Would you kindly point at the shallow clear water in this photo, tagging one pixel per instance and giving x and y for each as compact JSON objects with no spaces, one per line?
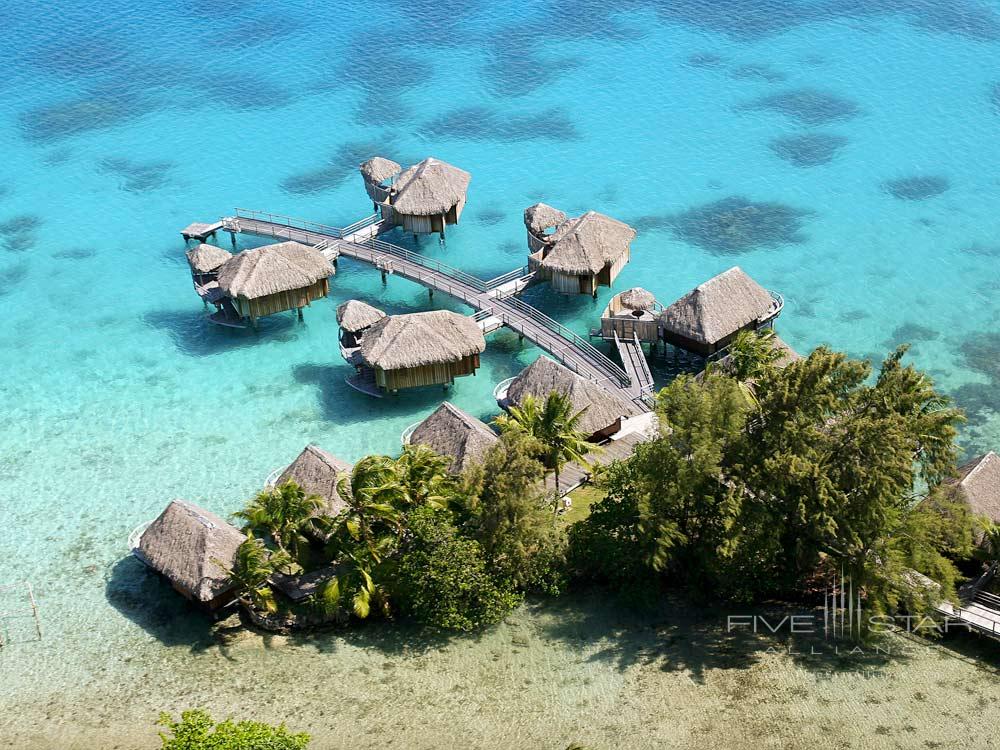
{"x":121,"y":124}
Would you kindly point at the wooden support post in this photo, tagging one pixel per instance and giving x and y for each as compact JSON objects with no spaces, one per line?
{"x":232,"y":236}
{"x":430,"y":293}
{"x":299,"y":311}
{"x":384,"y":277}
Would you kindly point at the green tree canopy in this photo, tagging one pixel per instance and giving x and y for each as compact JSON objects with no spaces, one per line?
{"x":197,"y":731}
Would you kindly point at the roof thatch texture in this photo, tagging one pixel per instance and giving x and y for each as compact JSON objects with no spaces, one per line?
{"x":541,"y":216}
{"x":637,"y":299}
{"x":417,"y":339}
{"x":429,"y":188}
{"x":272,"y":269}
{"x":184,"y":543}
{"x":451,"y":432}
{"x":586,"y":244}
{"x":207,"y":258}
{"x":719,"y":307}
{"x":378,"y":169}
{"x":979,"y":481}
{"x":317,"y":472}
{"x":544,"y":375}
{"x":355,"y":315}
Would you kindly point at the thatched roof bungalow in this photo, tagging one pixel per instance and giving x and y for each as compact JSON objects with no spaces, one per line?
{"x":604,"y":410}
{"x":192,"y":548}
{"x":707,"y":318}
{"x":426,"y":348}
{"x":318,"y":472}
{"x":978,"y":484}
{"x":275,"y":278}
{"x":205,"y":262}
{"x":453,"y":433}
{"x":354,"y":318}
{"x":423,"y":198}
{"x":378,"y":174}
{"x":633,"y":312}
{"x":582,"y":254}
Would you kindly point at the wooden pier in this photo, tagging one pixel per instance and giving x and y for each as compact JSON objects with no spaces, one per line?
{"x":634,"y":361}
{"x":360,"y":241}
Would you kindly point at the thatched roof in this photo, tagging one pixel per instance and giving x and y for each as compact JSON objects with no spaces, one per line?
{"x":719,"y":307}
{"x":586,"y":244}
{"x":272,"y":269}
{"x":544,"y":375}
{"x":429,"y":188}
{"x":184,"y":543}
{"x":317,"y":472}
{"x":979,"y":482}
{"x":451,"y":432}
{"x":637,"y":299}
{"x":541,"y":216}
{"x":418,"y":339}
{"x":207,"y":258}
{"x":378,"y":169}
{"x":355,"y":315}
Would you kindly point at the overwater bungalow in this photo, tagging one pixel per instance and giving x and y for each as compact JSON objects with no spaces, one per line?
{"x":317,"y":472}
{"x":581,"y":254}
{"x":633,"y":312}
{"x":271,"y":279}
{"x":418,"y":349}
{"x":978,"y":484}
{"x":453,"y":433}
{"x":604,"y":409}
{"x":192,"y":548}
{"x":706,"y":319}
{"x":205,"y":262}
{"x":354,"y":318}
{"x":421,"y":199}
{"x":378,"y":174}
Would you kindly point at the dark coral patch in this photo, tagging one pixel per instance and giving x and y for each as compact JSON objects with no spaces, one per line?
{"x":757,"y":72}
{"x":981,"y":353}
{"x":737,"y":225}
{"x":490,"y":217}
{"x":478,"y":123}
{"x":337,"y":169}
{"x":75,"y":253}
{"x":11,"y":276}
{"x":808,"y":149}
{"x":982,"y":251}
{"x":916,"y":188}
{"x":516,"y":68}
{"x":910,"y":333}
{"x":137,"y":177}
{"x":56,"y":121}
{"x":995,"y":96}
{"x":808,"y":106}
{"x":18,"y":233}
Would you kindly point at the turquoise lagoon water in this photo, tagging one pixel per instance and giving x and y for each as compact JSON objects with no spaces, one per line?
{"x":122,"y":123}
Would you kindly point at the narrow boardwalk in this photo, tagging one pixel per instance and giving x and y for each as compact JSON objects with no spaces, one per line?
{"x":634,"y":360}
{"x":360,"y":242}
{"x":574,"y":474}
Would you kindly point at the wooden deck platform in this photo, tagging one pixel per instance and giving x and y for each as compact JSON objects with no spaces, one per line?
{"x":574,"y":474}
{"x":360,"y":242}
{"x":200,"y":231}
{"x":634,"y":361}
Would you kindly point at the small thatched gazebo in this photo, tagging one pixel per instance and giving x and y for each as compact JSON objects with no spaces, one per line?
{"x":604,"y":410}
{"x":317,"y":472}
{"x":205,"y":262}
{"x":707,"y":318}
{"x":354,"y":318}
{"x":426,"y":348}
{"x":424,"y":198}
{"x":377,"y":174}
{"x":192,"y":548}
{"x":632,"y":313}
{"x":452,"y":432}
{"x":275,"y":278}
{"x":582,"y":254}
{"x":978,"y":484}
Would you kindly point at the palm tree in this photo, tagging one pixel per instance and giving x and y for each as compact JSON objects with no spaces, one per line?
{"x":555,"y":426}
{"x":253,"y":565}
{"x":751,"y":354}
{"x":283,"y":512}
{"x":424,"y":477}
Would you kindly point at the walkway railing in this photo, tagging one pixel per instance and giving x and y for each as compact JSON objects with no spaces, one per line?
{"x":517,"y":273}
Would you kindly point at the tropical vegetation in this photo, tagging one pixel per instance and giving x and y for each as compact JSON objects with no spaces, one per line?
{"x":196,"y":730}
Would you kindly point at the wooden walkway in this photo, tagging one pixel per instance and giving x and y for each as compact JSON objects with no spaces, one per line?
{"x":574,"y":474}
{"x":634,"y":361}
{"x":497,"y":296}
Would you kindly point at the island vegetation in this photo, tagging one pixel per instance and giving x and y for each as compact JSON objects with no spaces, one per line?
{"x":760,"y":479}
